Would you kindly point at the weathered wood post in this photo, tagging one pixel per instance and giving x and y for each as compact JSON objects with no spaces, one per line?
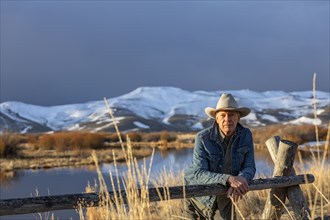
{"x":282,"y":154}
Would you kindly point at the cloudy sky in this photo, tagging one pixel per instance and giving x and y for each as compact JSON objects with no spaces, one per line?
{"x":61,"y":52}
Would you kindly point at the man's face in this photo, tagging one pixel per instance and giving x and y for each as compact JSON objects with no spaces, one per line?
{"x":227,"y":121}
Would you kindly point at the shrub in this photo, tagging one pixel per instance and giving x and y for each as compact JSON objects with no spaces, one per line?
{"x":262,"y":134}
{"x":77,"y":141}
{"x":151,"y":137}
{"x":92,"y":140}
{"x":159,"y":136}
{"x":32,"y":139}
{"x":114,"y":137}
{"x":9,"y":144}
{"x":46,"y":141}
{"x":135,"y":136}
{"x":62,"y":141}
{"x":303,"y":133}
{"x":168,"y":137}
{"x":297,"y":133}
{"x":71,"y":140}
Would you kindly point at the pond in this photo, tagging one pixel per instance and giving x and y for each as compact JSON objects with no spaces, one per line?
{"x":58,"y":181}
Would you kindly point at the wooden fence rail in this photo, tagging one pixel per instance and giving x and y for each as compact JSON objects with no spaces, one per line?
{"x":61,"y":202}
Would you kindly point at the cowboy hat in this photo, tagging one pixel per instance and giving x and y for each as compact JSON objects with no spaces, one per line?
{"x":227,"y":103}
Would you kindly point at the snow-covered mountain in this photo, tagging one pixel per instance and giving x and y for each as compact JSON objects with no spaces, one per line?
{"x":164,"y":108}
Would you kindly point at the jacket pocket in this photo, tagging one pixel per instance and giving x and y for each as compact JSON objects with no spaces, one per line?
{"x":243,"y":149}
{"x":241,"y":153}
{"x":214,"y":162}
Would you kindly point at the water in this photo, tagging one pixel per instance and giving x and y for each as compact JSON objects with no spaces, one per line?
{"x":59,"y":181}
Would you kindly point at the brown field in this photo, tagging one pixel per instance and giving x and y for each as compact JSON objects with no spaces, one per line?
{"x":37,"y":151}
{"x":43,"y":151}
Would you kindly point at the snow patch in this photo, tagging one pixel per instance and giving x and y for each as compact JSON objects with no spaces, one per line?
{"x":269,"y":118}
{"x":26,"y":129}
{"x":74,"y":127}
{"x":313,"y":144}
{"x":320,"y":111}
{"x":198,"y":126}
{"x":305,"y":120}
{"x":141,"y":125}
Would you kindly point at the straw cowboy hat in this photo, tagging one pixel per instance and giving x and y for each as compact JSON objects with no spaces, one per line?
{"x":227,"y":103}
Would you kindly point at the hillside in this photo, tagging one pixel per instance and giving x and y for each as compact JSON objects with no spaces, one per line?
{"x":163,"y":108}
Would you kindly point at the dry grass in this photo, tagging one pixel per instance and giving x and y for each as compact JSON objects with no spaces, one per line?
{"x":51,"y":159}
{"x":299,"y":134}
{"x":251,"y":207}
{"x":136,"y":183}
{"x":317,"y":194}
{"x":139,"y":207}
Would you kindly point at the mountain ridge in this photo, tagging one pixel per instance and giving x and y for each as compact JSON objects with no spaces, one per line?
{"x":163,"y":108}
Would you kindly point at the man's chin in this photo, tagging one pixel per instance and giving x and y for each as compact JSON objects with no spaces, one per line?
{"x":228,"y":128}
{"x":227,"y":132}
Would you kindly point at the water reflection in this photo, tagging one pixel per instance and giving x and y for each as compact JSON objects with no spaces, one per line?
{"x":7,"y":178}
{"x":264,"y":163}
{"x":47,"y":182}
{"x":170,"y":160}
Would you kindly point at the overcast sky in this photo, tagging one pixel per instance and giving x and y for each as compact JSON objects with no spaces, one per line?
{"x":62,"y":52}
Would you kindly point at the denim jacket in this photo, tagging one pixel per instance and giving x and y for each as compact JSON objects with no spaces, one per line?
{"x":208,"y":157}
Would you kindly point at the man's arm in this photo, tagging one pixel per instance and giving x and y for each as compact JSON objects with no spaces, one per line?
{"x":202,"y":172}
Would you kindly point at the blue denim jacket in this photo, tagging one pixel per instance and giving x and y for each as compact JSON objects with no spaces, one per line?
{"x":208,"y":157}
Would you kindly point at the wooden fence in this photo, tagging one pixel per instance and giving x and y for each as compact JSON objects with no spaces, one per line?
{"x":61,"y":202}
{"x":284,"y":183}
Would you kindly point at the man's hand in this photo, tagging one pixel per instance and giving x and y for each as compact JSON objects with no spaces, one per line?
{"x":238,"y":187}
{"x":236,"y":195}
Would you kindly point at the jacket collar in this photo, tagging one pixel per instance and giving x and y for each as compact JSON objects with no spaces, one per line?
{"x":215,"y":133}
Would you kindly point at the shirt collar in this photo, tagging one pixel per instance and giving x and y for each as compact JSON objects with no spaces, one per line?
{"x":216,"y":134}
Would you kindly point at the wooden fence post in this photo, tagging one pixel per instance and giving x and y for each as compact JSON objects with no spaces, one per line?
{"x":273,"y":209}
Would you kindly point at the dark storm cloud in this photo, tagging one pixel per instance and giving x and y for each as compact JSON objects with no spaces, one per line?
{"x":68,"y":52}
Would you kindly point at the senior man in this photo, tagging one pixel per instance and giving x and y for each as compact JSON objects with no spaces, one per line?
{"x":223,"y":154}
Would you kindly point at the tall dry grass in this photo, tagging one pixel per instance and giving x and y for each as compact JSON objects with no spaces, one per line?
{"x":135,"y":183}
{"x":137,"y":180}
